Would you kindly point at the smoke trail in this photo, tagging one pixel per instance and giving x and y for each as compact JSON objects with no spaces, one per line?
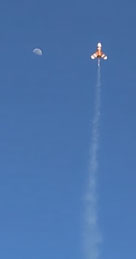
{"x":92,"y":233}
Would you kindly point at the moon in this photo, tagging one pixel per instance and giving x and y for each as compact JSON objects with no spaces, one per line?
{"x":37,"y":51}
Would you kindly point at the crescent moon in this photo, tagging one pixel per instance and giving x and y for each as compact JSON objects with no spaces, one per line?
{"x":37,"y":51}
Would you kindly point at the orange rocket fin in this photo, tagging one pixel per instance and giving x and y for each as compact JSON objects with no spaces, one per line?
{"x":103,"y":56}
{"x":94,"y":55}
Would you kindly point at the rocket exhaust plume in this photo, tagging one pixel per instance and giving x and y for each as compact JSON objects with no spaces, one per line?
{"x":98,"y":62}
{"x":92,"y":236}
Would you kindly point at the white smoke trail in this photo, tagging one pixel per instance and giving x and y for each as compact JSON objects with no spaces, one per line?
{"x":92,"y":233}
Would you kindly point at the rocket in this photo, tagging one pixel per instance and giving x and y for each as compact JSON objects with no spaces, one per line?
{"x":99,"y":54}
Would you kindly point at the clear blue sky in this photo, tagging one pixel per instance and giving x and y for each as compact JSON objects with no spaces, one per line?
{"x":46,"y":105}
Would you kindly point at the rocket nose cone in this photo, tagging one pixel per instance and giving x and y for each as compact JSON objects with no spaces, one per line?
{"x":99,"y":45}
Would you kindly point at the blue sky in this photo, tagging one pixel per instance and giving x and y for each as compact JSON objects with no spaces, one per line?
{"x":46,"y":106}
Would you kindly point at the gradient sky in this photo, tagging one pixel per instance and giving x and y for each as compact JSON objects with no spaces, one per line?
{"x":46,"y":109}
